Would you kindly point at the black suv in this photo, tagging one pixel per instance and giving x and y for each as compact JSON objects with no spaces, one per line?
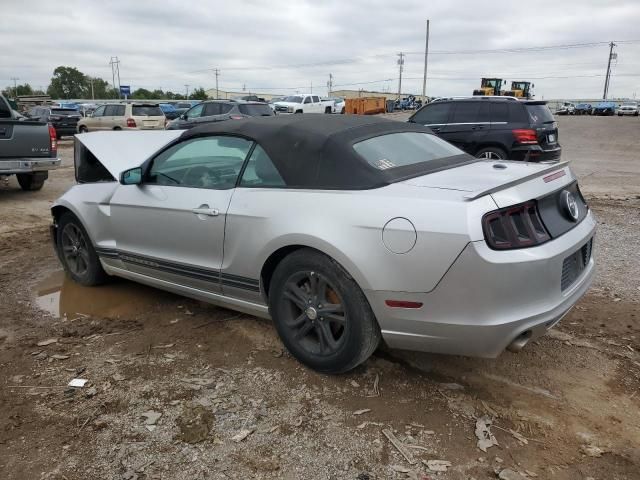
{"x":64,"y":120}
{"x":494,"y":127}
{"x":217,"y":111}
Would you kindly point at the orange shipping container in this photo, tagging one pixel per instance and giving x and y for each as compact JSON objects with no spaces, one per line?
{"x":364,"y":105}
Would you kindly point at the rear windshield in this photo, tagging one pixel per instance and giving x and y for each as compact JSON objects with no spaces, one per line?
{"x":183,"y":105}
{"x":256,"y":110}
{"x":405,"y":148}
{"x":64,"y":112}
{"x":540,"y":114}
{"x":147,"y":111}
{"x":294,"y":99}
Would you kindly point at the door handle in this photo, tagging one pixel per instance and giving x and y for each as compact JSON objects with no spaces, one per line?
{"x":478,"y":127}
{"x":205,"y":210}
{"x":435,"y":129}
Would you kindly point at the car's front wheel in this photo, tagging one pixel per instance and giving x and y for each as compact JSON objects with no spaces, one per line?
{"x":76,"y":252}
{"x":491,"y":153}
{"x":321,"y":314}
{"x":83,"y":129}
{"x":32,"y":181}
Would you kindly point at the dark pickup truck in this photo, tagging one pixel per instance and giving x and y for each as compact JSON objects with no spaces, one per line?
{"x":28,"y":149}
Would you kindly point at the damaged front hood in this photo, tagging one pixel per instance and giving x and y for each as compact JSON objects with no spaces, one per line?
{"x":120,"y":151}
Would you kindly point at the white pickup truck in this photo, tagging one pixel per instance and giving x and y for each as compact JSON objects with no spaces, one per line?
{"x":304,"y":103}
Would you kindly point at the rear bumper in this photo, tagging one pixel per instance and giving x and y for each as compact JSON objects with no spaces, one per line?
{"x":489,"y":298}
{"x":28,"y":165}
{"x":536,"y":153}
{"x":66,"y":130}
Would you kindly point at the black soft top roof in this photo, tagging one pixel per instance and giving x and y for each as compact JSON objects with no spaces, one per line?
{"x":316,"y":150}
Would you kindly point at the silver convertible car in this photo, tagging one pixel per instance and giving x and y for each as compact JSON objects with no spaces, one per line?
{"x":344,"y":230}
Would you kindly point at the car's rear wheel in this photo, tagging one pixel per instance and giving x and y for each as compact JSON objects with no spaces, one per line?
{"x":321,"y":314}
{"x":32,"y":181}
{"x":491,"y":153}
{"x":76,"y":252}
{"x":83,"y":129}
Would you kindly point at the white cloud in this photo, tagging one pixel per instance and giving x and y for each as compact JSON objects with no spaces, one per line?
{"x":171,"y":43}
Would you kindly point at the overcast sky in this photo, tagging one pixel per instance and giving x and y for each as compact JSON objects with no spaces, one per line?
{"x":286,"y":46}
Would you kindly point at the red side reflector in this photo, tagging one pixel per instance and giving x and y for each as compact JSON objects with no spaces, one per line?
{"x":553,"y":176}
{"x":402,"y":304}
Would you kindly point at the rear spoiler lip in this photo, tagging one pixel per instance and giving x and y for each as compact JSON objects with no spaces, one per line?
{"x":504,"y":186}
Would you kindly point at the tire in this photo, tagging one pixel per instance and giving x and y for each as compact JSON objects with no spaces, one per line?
{"x":342,"y":111}
{"x":298,"y":111}
{"x":491,"y":153}
{"x":117,"y":128}
{"x":83,"y":129}
{"x":321,"y":314}
{"x":32,"y":181}
{"x":327,"y":110}
{"x":76,"y":252}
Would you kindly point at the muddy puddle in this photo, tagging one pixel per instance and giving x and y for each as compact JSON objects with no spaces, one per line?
{"x":60,"y":296}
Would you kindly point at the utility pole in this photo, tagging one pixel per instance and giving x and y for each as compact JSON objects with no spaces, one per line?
{"x":115,"y":72}
{"x":15,"y":86}
{"x":330,"y":85}
{"x":426,"y":59}
{"x":606,"y":81}
{"x":400,"y":65}
{"x":93,"y":97}
{"x":186,"y":86}
{"x":217,"y":73}
{"x":311,"y":91}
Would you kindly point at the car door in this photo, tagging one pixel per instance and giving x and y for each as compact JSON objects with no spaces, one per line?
{"x":94,"y":122}
{"x":171,"y":226}
{"x":317,"y":104}
{"x":307,"y":104}
{"x":468,"y":126}
{"x":210,"y":113}
{"x":193,"y":115}
{"x":435,"y":116}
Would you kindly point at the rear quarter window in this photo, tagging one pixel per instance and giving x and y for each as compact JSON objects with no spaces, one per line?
{"x":539,"y":114}
{"x":434,"y":114}
{"x":404,"y":148}
{"x":256,"y":110}
{"x":147,"y":111}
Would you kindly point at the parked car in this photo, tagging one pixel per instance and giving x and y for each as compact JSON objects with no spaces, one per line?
{"x":249,"y":98}
{"x":342,"y":229}
{"x":567,"y":108}
{"x":628,"y":108}
{"x":494,"y":127}
{"x":64,"y":120}
{"x":169,"y":111}
{"x":604,"y":108}
{"x":124,"y":116}
{"x":185,"y":105}
{"x":583,"y":109}
{"x":274,"y":100}
{"x":304,"y":103}
{"x":338,"y":104}
{"x":28,"y":148}
{"x":218,"y":111}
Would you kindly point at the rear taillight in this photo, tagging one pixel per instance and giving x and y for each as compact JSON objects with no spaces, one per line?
{"x":236,"y":117}
{"x":53,"y":141}
{"x":131,"y":123}
{"x":525,"y":135}
{"x":513,"y":227}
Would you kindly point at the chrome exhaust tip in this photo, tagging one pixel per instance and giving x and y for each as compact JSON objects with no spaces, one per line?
{"x":519,"y":342}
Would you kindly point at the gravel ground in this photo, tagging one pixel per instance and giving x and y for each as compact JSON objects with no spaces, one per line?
{"x":183,"y":390}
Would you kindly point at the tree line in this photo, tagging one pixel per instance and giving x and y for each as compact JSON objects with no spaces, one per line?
{"x":69,"y":82}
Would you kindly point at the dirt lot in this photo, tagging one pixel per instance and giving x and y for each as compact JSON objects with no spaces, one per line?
{"x":183,"y":390}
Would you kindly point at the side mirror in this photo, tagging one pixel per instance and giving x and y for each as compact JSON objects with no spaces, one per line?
{"x":184,"y":117}
{"x":133,"y":176}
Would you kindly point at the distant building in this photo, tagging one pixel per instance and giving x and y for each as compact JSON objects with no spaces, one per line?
{"x":224,"y":95}
{"x":368,"y":93}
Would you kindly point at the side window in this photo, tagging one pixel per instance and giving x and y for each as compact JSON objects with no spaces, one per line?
{"x":316,"y":99}
{"x":119,"y":110}
{"x":484,"y":114}
{"x":260,"y":171}
{"x":307,"y":99}
{"x":99,"y":112}
{"x":211,"y":109}
{"x":499,"y":112}
{"x":196,"y":111}
{"x":225,"y":107}
{"x":466,"y":112}
{"x":517,"y":113}
{"x":434,"y":114}
{"x":208,"y":162}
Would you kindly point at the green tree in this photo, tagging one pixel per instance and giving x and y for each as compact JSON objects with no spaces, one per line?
{"x":67,"y":83}
{"x":18,"y":90}
{"x":141,"y":94}
{"x":198,"y":94}
{"x":101,"y":89}
{"x":158,"y":94}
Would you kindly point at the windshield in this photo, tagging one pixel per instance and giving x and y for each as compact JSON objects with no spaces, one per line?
{"x":147,"y":111}
{"x":256,"y":110}
{"x":294,"y":99}
{"x":402,"y":149}
{"x":64,"y":112}
{"x":183,"y":105}
{"x":540,"y":114}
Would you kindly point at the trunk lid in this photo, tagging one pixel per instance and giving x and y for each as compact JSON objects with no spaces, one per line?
{"x":24,"y":139}
{"x":508,"y":182}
